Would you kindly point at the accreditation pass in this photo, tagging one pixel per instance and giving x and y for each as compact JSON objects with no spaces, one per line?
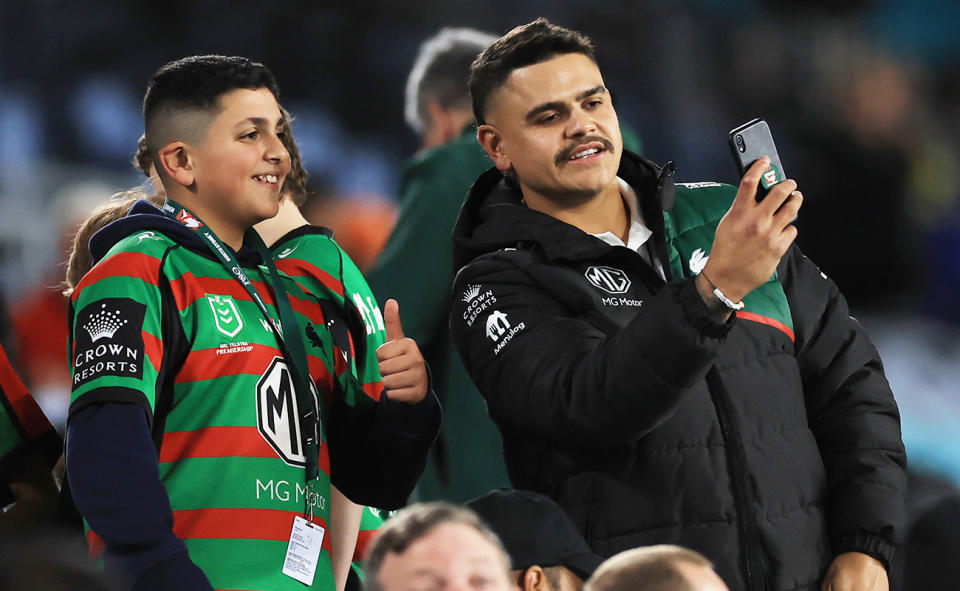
{"x":303,"y":551}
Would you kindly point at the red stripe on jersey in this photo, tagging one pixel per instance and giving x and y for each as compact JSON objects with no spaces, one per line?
{"x":374,"y":390}
{"x":364,"y":538}
{"x":222,"y":442}
{"x":768,"y":321}
{"x":189,"y":288}
{"x":300,"y":268}
{"x":215,"y":442}
{"x":95,"y":545}
{"x":122,"y":264}
{"x":153,"y":349}
{"x":26,"y":410}
{"x":255,"y":524}
{"x":206,"y":364}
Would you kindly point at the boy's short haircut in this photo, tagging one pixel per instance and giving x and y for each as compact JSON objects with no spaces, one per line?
{"x":524,"y":46}
{"x":193,"y":86}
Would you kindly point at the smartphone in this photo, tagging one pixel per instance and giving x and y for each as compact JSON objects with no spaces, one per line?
{"x":748,"y":143}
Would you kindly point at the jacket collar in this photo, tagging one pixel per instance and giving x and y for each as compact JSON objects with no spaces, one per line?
{"x":494,"y":217}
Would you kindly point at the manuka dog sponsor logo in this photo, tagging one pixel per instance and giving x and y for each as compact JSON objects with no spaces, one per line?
{"x":226,"y":317}
{"x":609,"y":279}
{"x":477,"y":301}
{"x":109,"y":341}
{"x":278,"y":413}
{"x":500,"y":331}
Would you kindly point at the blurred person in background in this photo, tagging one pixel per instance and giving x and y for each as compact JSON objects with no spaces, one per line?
{"x":415,"y":268}
{"x":547,"y":553}
{"x":437,"y":546}
{"x":656,"y":568}
{"x":660,"y":359}
{"x":29,"y":449}
{"x":40,"y":314}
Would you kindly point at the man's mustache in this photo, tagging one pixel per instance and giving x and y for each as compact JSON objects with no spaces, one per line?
{"x":565,"y":153}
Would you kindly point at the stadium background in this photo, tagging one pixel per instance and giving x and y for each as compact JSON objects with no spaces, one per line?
{"x":863,"y":99}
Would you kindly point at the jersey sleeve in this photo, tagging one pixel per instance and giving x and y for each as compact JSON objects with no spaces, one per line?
{"x":27,"y":438}
{"x":115,"y":344}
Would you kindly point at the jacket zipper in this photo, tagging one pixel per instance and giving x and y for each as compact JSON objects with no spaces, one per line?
{"x":736,"y":460}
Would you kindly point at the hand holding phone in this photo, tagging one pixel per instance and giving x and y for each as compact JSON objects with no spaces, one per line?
{"x":751,"y":141}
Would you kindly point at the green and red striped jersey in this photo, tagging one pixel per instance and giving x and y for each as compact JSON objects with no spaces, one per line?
{"x":311,"y":257}
{"x":26,"y":435}
{"x":157,"y":324}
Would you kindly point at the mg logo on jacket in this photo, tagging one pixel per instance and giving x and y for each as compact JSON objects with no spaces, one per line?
{"x":278,"y":416}
{"x":608,"y":279}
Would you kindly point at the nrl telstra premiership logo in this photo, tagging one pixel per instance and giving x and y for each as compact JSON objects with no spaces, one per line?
{"x":226,"y":317}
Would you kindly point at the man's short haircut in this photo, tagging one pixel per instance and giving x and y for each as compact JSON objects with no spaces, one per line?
{"x":524,"y":46}
{"x":415,"y":522}
{"x":193,"y":86}
{"x":439,"y":73}
{"x":651,"y":568}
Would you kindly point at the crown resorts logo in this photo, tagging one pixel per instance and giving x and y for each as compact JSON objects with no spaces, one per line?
{"x":471,"y":292}
{"x":103,"y":324}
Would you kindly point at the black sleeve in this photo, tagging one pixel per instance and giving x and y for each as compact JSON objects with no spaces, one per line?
{"x":556,"y":375}
{"x":377,"y":454}
{"x":115,"y":482}
{"x":852,"y":413}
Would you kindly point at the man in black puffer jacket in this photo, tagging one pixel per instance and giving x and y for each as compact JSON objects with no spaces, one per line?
{"x":661,"y":359}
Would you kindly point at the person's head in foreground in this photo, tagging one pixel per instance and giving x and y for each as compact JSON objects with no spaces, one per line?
{"x":215,"y":132}
{"x":545,"y":116}
{"x":546,"y":550}
{"x":436,"y":546}
{"x":656,"y":568}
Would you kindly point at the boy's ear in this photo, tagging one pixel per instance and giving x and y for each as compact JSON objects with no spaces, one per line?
{"x":176,"y":162}
{"x":492,"y":143}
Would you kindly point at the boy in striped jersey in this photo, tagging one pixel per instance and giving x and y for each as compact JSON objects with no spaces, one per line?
{"x":311,"y":256}
{"x":179,"y":358}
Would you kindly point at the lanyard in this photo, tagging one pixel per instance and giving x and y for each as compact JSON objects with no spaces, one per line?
{"x":285,"y":330}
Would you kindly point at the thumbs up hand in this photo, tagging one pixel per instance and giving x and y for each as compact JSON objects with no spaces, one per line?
{"x":400,"y":361}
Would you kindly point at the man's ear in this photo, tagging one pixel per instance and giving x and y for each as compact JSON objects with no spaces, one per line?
{"x":534,"y":579}
{"x":492,"y":143}
{"x":176,"y":163}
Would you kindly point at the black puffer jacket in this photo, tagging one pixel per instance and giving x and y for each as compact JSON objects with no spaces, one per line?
{"x":770,"y":443}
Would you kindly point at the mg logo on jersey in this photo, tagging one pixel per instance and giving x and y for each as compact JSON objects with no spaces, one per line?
{"x":225,"y":314}
{"x":608,"y":279}
{"x":278,"y":416}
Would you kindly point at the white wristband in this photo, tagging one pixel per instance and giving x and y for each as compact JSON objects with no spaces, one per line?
{"x":720,"y":295}
{"x":727,"y":301}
